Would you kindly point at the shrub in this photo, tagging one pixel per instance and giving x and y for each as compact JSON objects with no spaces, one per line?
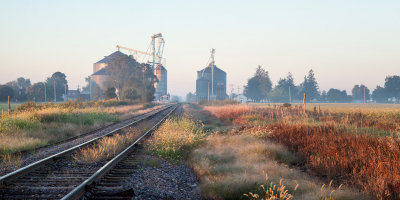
{"x":287,"y":105}
{"x":110,"y":93}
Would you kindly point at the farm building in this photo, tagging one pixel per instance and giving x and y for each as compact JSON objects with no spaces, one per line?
{"x":161,"y":85}
{"x":101,"y":71}
{"x":211,"y":84}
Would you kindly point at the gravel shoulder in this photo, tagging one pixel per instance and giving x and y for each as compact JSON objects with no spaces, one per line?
{"x":156,"y":178}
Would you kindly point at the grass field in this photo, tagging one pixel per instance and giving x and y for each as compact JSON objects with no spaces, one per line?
{"x":32,"y":125}
{"x":4,"y":106}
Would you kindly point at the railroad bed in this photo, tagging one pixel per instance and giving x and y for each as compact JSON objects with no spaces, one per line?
{"x":60,"y":176}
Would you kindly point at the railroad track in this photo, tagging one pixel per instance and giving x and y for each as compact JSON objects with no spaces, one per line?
{"x":60,"y":177}
{"x":81,"y":136}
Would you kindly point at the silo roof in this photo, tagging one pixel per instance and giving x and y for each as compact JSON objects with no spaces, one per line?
{"x":107,"y":58}
{"x":208,"y":69}
{"x":100,"y":72}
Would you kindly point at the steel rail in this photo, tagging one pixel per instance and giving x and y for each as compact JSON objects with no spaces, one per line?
{"x":80,"y":190}
{"x":24,"y":170}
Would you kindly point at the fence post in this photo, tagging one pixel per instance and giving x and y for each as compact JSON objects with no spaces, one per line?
{"x":304,"y":102}
{"x":9,"y":105}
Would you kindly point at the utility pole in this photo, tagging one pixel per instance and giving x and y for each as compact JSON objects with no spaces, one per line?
{"x":232,"y":88}
{"x":90,"y":88}
{"x":65,"y":92}
{"x":208,"y":91}
{"x":364,"y":95}
{"x":9,"y":105}
{"x":55,"y":94}
{"x":290,"y":97}
{"x":212,"y":71}
{"x":154,"y":53}
{"x":304,"y":102}
{"x":45,"y":95}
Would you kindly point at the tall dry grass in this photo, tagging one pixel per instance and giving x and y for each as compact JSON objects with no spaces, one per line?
{"x":371,"y":164}
{"x":230,"y":166}
{"x":107,"y":147}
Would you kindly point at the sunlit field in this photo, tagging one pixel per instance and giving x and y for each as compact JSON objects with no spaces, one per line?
{"x":33,"y":125}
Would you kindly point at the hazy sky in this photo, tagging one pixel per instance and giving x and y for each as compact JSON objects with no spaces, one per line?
{"x":345,"y":42}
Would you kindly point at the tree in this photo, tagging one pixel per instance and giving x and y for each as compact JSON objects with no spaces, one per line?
{"x":379,"y":95}
{"x":309,"y":86}
{"x":358,"y":92}
{"x":392,"y":86}
{"x":5,"y":92}
{"x":258,"y":86}
{"x":97,"y":92}
{"x":36,"y":92}
{"x":19,"y":86}
{"x":323,"y":96}
{"x":110,"y":93}
{"x":337,"y":96}
{"x":190,"y":97}
{"x":125,"y":72}
{"x":58,"y":79}
{"x":281,"y":91}
{"x":86,"y":88}
{"x":175,"y":98}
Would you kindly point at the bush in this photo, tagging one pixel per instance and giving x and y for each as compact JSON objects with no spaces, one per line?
{"x":110,"y":93}
{"x":287,"y":105}
{"x":130,"y":93}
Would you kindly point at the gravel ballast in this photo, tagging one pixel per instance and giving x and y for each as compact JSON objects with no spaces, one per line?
{"x":156,"y":178}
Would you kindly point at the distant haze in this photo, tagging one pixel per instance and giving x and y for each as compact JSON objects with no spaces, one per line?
{"x":344,"y":42}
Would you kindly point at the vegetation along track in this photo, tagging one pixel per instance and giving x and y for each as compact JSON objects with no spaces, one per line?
{"x":59,"y":176}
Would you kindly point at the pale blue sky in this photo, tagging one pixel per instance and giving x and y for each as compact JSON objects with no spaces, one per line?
{"x":345,"y":42}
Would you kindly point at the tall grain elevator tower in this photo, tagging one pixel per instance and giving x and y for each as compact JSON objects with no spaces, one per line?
{"x":211,"y":82}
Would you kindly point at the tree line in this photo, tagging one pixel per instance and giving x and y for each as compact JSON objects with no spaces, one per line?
{"x":21,"y":90}
{"x":259,"y":88}
{"x":127,"y":79}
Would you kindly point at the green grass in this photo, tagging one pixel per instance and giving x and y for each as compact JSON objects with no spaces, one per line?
{"x":175,"y":138}
{"x":84,"y":118}
{"x":4,"y":106}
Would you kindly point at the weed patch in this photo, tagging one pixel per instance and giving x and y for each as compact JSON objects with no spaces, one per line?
{"x":176,"y":137}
